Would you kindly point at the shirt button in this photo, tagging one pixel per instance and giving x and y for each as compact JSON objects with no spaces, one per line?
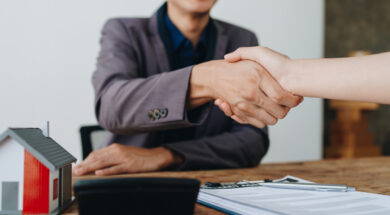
{"x":163,"y":112}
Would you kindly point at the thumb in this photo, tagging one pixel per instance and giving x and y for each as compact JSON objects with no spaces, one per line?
{"x":245,"y":53}
{"x":233,"y":56}
{"x":224,"y":106}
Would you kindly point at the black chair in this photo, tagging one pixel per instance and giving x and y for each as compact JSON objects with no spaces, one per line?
{"x":91,"y":138}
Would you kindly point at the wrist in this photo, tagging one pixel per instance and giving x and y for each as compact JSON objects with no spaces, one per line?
{"x":201,"y":81}
{"x":167,"y":158}
{"x":288,"y":75}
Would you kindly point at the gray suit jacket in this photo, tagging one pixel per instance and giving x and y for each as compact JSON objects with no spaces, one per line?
{"x":133,"y":79}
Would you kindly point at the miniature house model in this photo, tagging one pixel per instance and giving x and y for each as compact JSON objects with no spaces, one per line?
{"x":35,"y":173}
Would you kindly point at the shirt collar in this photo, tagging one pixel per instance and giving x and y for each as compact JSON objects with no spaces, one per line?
{"x":178,"y":38}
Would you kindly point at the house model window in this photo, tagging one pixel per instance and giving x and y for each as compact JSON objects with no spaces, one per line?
{"x":55,"y":188}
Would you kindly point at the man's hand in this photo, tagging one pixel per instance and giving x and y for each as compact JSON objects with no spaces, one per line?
{"x":254,"y":96}
{"x":117,"y":159}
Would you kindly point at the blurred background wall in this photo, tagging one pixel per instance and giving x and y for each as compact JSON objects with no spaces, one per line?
{"x":48,"y":52}
{"x":359,"y":25}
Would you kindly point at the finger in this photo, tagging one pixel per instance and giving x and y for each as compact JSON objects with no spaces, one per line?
{"x":113,"y":170}
{"x":90,"y":167}
{"x":224,"y":106}
{"x":257,"y":123}
{"x":243,"y":53}
{"x":78,"y":170}
{"x":275,"y":92}
{"x":302,"y":98}
{"x":81,"y":168}
{"x":237,"y":119}
{"x":290,"y":100}
{"x":240,"y":116}
{"x":99,"y":164}
{"x":252,"y":121}
{"x":254,"y":115}
{"x":90,"y":159}
{"x":96,"y":160}
{"x":233,"y":56}
{"x":264,"y":117}
{"x":218,"y":102}
{"x":262,"y":101}
{"x":226,"y":109}
{"x":274,"y":109}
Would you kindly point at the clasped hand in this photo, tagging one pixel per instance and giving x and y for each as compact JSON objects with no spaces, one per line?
{"x":252,"y":92}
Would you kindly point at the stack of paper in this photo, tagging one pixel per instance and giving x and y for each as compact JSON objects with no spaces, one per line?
{"x":264,"y":200}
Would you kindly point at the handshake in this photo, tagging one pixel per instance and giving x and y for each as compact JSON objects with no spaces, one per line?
{"x":250,"y":86}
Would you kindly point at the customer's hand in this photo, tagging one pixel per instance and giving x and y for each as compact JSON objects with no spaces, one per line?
{"x":277,"y":64}
{"x":254,"y":96}
{"x":118,"y":159}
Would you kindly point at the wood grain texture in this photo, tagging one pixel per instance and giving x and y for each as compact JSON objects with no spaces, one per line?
{"x":366,"y":174}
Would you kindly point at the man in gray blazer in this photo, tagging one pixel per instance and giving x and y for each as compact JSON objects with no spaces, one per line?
{"x":155,"y":82}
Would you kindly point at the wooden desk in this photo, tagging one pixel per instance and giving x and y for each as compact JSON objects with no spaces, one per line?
{"x":366,"y":174}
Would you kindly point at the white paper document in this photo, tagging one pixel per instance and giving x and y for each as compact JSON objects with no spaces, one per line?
{"x":265,"y":200}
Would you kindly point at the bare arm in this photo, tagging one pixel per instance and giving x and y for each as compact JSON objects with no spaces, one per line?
{"x":355,"y":78}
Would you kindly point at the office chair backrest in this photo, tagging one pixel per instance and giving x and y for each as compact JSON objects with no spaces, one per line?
{"x":137,"y":196}
{"x":92,"y":137}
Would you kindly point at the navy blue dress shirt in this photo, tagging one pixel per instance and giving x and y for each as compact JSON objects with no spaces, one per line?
{"x":182,"y":53}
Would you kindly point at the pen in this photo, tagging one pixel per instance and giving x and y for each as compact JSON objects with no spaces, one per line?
{"x":308,"y":186}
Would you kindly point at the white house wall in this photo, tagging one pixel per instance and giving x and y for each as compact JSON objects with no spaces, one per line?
{"x":53,"y":204}
{"x":12,"y":166}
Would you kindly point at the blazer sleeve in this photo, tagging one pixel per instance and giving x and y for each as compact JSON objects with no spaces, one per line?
{"x":124,"y":101}
{"x":241,"y":146}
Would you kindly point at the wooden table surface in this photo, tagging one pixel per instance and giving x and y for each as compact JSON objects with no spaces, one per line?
{"x":366,"y":174}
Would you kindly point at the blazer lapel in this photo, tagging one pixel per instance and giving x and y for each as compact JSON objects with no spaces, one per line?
{"x":158,"y":45}
{"x":222,"y":40}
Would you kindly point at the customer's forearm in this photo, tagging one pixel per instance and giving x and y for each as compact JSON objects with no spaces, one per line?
{"x":358,"y":78}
